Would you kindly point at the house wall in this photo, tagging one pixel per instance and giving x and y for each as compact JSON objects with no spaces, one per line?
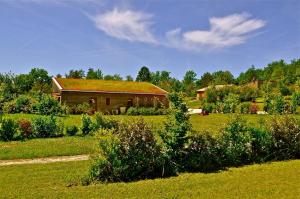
{"x":117,"y":100}
{"x":200,"y":95}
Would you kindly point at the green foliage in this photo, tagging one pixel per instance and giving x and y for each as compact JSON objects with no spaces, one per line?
{"x":223,"y":77}
{"x":245,"y":108}
{"x":46,"y":126}
{"x":146,"y":111}
{"x":8,"y":129}
{"x":248,"y":93}
{"x":144,"y":75}
{"x":230,"y":103}
{"x":127,"y":153}
{"x":94,"y":74}
{"x":87,"y":124}
{"x":236,"y":143}
{"x":84,"y":108}
{"x":188,"y":82}
{"x":104,"y":123}
{"x":176,"y":128}
{"x":24,"y":104}
{"x":202,"y":153}
{"x":49,"y":106}
{"x":286,"y":133}
{"x":295,"y":101}
{"x":279,"y":104}
{"x":9,"y":107}
{"x":72,"y":130}
{"x":76,"y":74}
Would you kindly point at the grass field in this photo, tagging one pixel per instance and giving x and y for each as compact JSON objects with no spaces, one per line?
{"x":47,"y":147}
{"x":274,"y":180}
{"x":82,"y":145}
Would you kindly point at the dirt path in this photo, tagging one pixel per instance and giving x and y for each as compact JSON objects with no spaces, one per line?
{"x":44,"y":160}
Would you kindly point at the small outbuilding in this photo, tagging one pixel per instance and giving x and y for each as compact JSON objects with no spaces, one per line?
{"x":108,"y":95}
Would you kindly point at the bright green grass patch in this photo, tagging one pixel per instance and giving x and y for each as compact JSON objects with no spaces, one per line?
{"x":274,"y":180}
{"x":46,"y":147}
{"x":194,"y":104}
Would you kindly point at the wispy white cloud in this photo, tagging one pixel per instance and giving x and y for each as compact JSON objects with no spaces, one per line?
{"x":224,"y":32}
{"x":126,"y":25}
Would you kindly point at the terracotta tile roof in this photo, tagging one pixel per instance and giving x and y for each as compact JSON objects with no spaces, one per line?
{"x":108,"y":86}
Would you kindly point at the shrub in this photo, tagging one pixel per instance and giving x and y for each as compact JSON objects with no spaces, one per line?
{"x":72,"y":130}
{"x":87,"y":125}
{"x":128,"y":153}
{"x":230,"y":103}
{"x":9,"y":107}
{"x":174,"y":134}
{"x":49,"y":106}
{"x":286,"y":133}
{"x":295,"y":101}
{"x":45,"y":127}
{"x":25,"y":127}
{"x":279,"y":104}
{"x":245,"y":107}
{"x":83,"y":108}
{"x":236,"y":143}
{"x":8,"y":128}
{"x":146,"y":111}
{"x":104,"y":123}
{"x":202,"y":153}
{"x":23,"y":105}
{"x":210,"y":107}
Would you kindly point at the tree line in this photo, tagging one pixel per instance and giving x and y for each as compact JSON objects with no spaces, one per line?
{"x":38,"y":80}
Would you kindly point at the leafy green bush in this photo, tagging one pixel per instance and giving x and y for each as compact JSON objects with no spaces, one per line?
{"x":128,"y":153}
{"x":104,"y":123}
{"x":279,"y":104}
{"x":174,"y":134}
{"x":84,"y":108}
{"x":245,"y":108}
{"x":23,"y":104}
{"x":9,"y":107}
{"x":231,"y":102}
{"x":202,"y":153}
{"x":295,"y":101}
{"x":45,"y":127}
{"x":87,"y":124}
{"x":8,"y":129}
{"x":72,"y":130}
{"x":286,"y":133}
{"x":49,"y":106}
{"x":236,"y":143}
{"x":146,"y":111}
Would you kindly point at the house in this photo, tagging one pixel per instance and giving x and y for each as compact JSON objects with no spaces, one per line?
{"x":201,"y":93}
{"x":107,"y":95}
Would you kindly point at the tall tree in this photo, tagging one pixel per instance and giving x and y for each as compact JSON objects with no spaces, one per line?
{"x":76,"y":74}
{"x":144,"y":75}
{"x":189,"y":82}
{"x":41,"y":79}
{"x":94,"y":74}
{"x":223,"y":77}
{"x":129,"y":78}
{"x":205,"y":80}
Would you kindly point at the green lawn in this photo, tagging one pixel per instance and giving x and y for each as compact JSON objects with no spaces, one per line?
{"x":82,"y":145}
{"x":46,"y":147}
{"x":274,"y":180}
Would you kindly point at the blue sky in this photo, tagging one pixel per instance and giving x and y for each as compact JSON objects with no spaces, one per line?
{"x":121,"y":36}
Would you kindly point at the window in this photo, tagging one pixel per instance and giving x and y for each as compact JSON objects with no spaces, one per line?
{"x":107,"y":101}
{"x":130,"y":103}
